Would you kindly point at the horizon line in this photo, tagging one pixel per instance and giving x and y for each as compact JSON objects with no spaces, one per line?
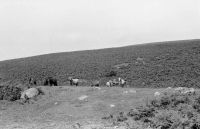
{"x":138,"y":44}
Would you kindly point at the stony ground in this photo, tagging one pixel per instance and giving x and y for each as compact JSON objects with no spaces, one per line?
{"x":66,"y":107}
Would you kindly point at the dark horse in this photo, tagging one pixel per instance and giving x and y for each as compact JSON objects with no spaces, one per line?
{"x":50,"y":81}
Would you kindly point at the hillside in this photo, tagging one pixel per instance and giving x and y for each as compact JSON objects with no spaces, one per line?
{"x":174,"y":63}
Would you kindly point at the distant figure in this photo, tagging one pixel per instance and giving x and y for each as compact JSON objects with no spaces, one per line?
{"x":115,"y":82}
{"x":32,"y":81}
{"x":109,"y":83}
{"x":122,"y":82}
{"x":73,"y":81}
{"x":50,"y":81}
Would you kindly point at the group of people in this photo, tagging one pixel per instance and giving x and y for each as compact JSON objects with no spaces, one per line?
{"x":116,"y":82}
{"x":74,"y":81}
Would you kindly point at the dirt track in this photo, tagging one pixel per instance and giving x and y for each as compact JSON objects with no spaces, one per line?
{"x":70,"y":107}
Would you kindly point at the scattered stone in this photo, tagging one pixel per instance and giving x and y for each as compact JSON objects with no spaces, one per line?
{"x":29,"y":94}
{"x":125,"y":92}
{"x":83,"y":97}
{"x":103,"y":91}
{"x":132,"y":91}
{"x":123,"y":65}
{"x":112,"y":105}
{"x":169,"y":88}
{"x":157,"y":94}
{"x":98,"y":88}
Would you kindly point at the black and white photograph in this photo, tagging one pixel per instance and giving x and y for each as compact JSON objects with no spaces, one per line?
{"x":99,"y":64}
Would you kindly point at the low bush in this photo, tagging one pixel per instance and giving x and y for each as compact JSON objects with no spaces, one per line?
{"x":10,"y":93}
{"x":111,"y":74}
{"x":169,"y":111}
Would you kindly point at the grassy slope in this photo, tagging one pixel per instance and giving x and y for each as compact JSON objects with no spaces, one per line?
{"x":61,"y":106}
{"x":175,"y":63}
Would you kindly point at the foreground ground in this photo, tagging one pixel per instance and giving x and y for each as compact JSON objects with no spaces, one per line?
{"x":71,"y":107}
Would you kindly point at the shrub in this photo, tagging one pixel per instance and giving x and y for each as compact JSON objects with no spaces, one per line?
{"x":144,"y":112}
{"x":10,"y":93}
{"x":132,"y":113}
{"x":165,"y":119}
{"x":121,"y":117}
{"x":169,"y":111}
{"x":111,"y":74}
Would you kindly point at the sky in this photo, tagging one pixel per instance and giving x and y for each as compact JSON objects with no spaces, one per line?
{"x":35,"y":27}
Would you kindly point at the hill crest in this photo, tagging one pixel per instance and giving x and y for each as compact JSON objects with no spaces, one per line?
{"x":162,"y":64}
